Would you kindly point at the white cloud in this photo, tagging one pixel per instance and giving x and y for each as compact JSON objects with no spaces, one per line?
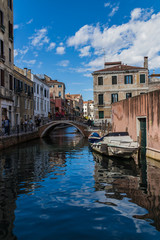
{"x":30,"y":21}
{"x":60,"y":50}
{"x":15,"y":52}
{"x":40,"y":64}
{"x":114,"y":10}
{"x":107,"y":4}
{"x":29,"y":62}
{"x":88,"y":90}
{"x":24,"y":50}
{"x":81,"y":37}
{"x":128,"y":42}
{"x":136,"y":13}
{"x":114,"y":7}
{"x":87,"y":75}
{"x":64,"y":63}
{"x":51,"y":46}
{"x":39,"y":38}
{"x":85,"y":51}
{"x":141,"y":14}
{"x":16,"y":26}
{"x":21,"y":52}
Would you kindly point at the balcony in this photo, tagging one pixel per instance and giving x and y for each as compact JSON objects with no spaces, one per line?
{"x":11,"y":38}
{"x":2,"y":28}
{"x":18,"y":90}
{"x":2,"y":58}
{"x":5,"y":93}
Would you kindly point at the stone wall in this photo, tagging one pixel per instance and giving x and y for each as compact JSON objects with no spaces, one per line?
{"x":8,"y":141}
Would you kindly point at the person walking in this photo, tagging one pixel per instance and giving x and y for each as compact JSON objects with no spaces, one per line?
{"x":7,"y":126}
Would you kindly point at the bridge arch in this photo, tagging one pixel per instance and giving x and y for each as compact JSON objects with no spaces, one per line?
{"x":45,"y":129}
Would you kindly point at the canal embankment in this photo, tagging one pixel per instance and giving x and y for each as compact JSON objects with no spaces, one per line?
{"x":11,"y":140}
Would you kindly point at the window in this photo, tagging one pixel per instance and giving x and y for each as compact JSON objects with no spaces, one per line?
{"x":128,"y":79}
{"x":128,"y":95}
{"x":10,"y":82}
{"x":101,"y":114}
{"x":114,"y":97}
{"x":10,"y":4}
{"x":21,"y":85}
{"x":2,"y":77}
{"x":59,"y":94}
{"x":142,"y":78}
{"x":2,"y":22}
{"x":1,"y":49}
{"x":37,"y":88}
{"x":100,"y":80}
{"x":38,"y":104}
{"x":114,"y":80}
{"x":10,"y":29}
{"x":45,"y":93}
{"x":59,"y":86}
{"x":25,"y":103}
{"x":25,"y":87}
{"x":100,"y":99}
{"x":29,"y":92}
{"x":1,"y":18}
{"x":10,"y":56}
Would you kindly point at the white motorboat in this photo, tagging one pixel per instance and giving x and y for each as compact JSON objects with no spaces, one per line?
{"x":118,"y":144}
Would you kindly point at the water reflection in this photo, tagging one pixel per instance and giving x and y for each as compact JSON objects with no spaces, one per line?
{"x":52,"y":189}
{"x":24,"y":167}
{"x":121,"y":179}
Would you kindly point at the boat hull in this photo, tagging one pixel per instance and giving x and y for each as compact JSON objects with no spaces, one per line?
{"x":114,"y":150}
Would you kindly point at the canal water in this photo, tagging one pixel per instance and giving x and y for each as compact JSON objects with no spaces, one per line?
{"x":57,"y":188}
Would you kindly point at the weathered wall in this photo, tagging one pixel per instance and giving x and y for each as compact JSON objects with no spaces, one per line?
{"x":125,"y":113}
{"x":125,"y":116}
{"x":8,"y":141}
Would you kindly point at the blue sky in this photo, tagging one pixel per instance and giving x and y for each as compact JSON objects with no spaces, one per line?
{"x":67,"y":39}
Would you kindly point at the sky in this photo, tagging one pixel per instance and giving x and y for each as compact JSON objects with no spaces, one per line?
{"x":68,"y":39}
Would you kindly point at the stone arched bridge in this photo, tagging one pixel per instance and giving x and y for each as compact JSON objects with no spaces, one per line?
{"x":45,"y":129}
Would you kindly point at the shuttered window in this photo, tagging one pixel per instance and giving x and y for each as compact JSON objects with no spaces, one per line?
{"x":100,"y":99}
{"x":2,"y":77}
{"x":128,"y":79}
{"x":101,"y":114}
{"x":142,"y":78}
{"x":1,"y":48}
{"x":1,"y":18}
{"x":100,"y":80}
{"x":10,"y":82}
{"x":10,"y":28}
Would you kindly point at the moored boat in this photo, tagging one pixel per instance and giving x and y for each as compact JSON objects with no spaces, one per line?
{"x":118,"y":144}
{"x":94,"y":137}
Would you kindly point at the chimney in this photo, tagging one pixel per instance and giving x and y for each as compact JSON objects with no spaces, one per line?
{"x":146,"y":62}
{"x":25,"y":72}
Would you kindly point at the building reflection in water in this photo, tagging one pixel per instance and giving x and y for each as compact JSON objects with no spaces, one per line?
{"x":23,"y":169}
{"x":141,"y":184}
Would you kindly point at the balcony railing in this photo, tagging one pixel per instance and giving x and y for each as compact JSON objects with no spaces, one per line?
{"x":2,"y":57}
{"x":2,"y":28}
{"x":11,"y":38}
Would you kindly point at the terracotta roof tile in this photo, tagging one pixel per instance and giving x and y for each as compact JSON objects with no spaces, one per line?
{"x":120,"y":68}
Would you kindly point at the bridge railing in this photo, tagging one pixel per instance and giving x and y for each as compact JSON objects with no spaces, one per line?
{"x":18,"y":129}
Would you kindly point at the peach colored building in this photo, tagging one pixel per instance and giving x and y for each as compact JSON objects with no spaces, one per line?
{"x":140,"y":113}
